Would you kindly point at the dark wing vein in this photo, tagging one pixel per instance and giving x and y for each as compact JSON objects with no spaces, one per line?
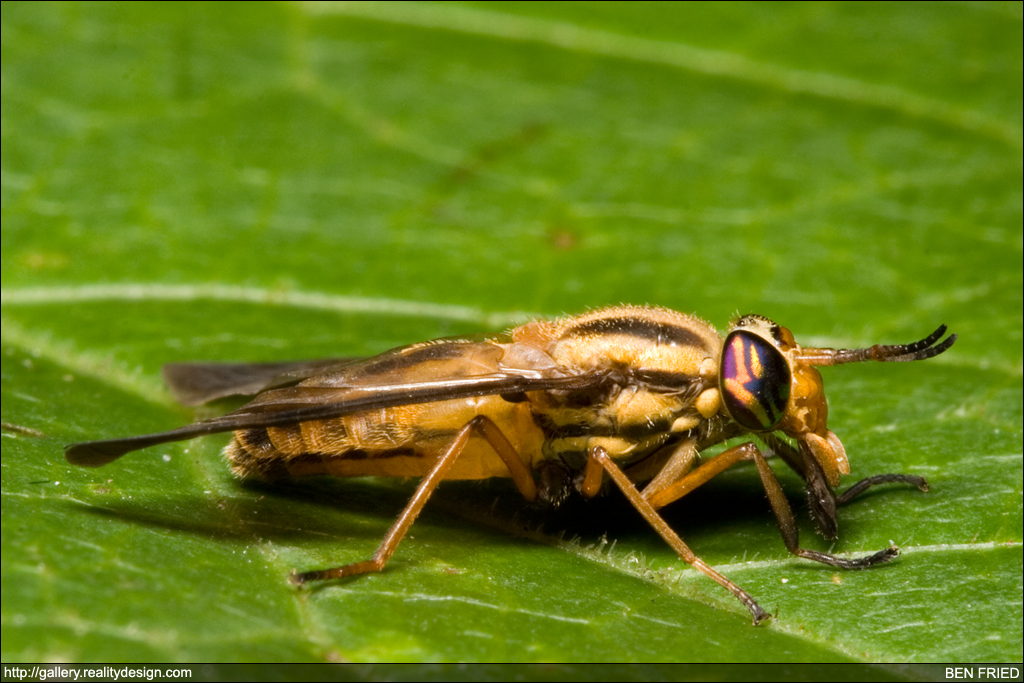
{"x":193,"y":384}
{"x":315,"y":403}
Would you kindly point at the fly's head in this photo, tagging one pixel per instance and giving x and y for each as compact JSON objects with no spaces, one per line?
{"x":769,"y":383}
{"x":766,"y":389}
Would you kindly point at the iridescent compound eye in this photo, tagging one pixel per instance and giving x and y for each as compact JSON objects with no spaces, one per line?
{"x":755,"y":381}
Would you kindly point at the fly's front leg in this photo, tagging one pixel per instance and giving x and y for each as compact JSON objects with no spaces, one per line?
{"x":787,"y":523}
{"x":820,"y":496}
{"x":597,"y":461}
{"x":866,"y":483}
{"x":482,"y":426}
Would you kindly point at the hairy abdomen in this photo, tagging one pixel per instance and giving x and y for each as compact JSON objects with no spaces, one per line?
{"x":394,"y":442}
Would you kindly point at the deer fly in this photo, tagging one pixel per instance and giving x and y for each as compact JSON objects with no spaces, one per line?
{"x":627,"y":394}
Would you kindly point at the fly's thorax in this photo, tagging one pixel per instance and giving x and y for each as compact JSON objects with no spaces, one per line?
{"x":539,"y":333}
{"x":661,"y":369}
{"x":651,"y":344}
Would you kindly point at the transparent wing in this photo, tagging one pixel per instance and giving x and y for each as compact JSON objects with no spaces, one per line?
{"x":423,"y":373}
{"x":193,"y":384}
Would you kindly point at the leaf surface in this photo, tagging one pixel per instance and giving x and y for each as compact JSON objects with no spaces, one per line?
{"x":200,"y":182}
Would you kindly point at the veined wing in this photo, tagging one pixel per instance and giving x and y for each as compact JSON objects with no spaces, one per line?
{"x":422,"y":373}
{"x":193,"y":384}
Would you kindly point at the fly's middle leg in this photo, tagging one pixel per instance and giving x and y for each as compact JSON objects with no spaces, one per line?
{"x":672,"y":491}
{"x":597,"y":461}
{"x":780,"y":506}
{"x":481,"y":426}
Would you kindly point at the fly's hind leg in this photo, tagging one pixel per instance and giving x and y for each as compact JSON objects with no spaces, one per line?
{"x":597,"y":461}
{"x":480,"y":425}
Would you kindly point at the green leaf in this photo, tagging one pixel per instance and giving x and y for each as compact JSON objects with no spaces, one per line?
{"x":257,"y":182}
